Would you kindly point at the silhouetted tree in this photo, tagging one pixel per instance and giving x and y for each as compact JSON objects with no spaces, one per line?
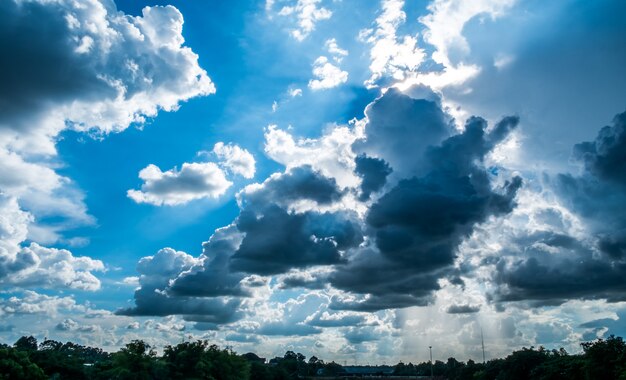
{"x":605,"y":359}
{"x":15,"y":364}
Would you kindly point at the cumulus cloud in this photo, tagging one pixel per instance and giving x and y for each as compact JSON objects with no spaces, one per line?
{"x":295,"y":226}
{"x":211,"y":277}
{"x":235,"y":159}
{"x":327,"y":75}
{"x":557,"y":263}
{"x":334,"y":49}
{"x":53,"y":268}
{"x":419,"y":223}
{"x":391,"y":55}
{"x":330,"y":154}
{"x":277,"y":239}
{"x":156,"y":274}
{"x":307,"y":14}
{"x":445,"y":24}
{"x":93,"y":38}
{"x":35,"y":265}
{"x":34,"y":303}
{"x":268,"y":237}
{"x":396,"y":124}
{"x":175,"y":187}
{"x":373,"y":172}
{"x":124,"y":70}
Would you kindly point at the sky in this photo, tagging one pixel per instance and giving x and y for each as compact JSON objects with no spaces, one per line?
{"x":347,"y":179}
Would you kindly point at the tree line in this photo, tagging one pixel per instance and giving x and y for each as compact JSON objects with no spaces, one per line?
{"x":26,"y":359}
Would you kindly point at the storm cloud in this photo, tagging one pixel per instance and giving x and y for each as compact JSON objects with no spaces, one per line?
{"x":418,"y":224}
{"x":558,"y":266}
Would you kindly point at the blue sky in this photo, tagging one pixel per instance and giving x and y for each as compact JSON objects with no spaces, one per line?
{"x":354,"y":180}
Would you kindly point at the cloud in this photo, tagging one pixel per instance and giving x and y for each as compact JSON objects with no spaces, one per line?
{"x":604,"y":157}
{"x":327,"y":75}
{"x":295,"y":92}
{"x":175,"y":187}
{"x":334,"y":49}
{"x":463,"y":309}
{"x":277,"y":240}
{"x":291,"y":316}
{"x":554,"y":264}
{"x":52,"y":268}
{"x":396,"y":124}
{"x":340,"y":319}
{"x":307,"y":13}
{"x":417,"y":225}
{"x":445,"y":24}
{"x":357,"y":335}
{"x":374,"y":172}
{"x":309,"y":279}
{"x":124,"y":70}
{"x":211,"y":275}
{"x":391,"y":55}
{"x":301,"y":183}
{"x":34,"y":303}
{"x":151,"y":299}
{"x":157,"y":71}
{"x":288,"y":329}
{"x":35,"y":265}
{"x":235,"y":159}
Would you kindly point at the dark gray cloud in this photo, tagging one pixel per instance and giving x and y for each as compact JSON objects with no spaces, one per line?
{"x":557,"y":267}
{"x":463,"y":309}
{"x":151,"y":299}
{"x":212,"y":277}
{"x":419,"y":223}
{"x":266,"y":238}
{"x":604,"y":158}
{"x":280,"y":240}
{"x":401,"y":128}
{"x":388,"y":284}
{"x":304,"y":280}
{"x":373,"y":173}
{"x":300,"y":183}
{"x":39,"y":65}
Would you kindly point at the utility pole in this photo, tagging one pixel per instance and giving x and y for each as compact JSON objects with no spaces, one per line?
{"x":482,"y":341}
{"x":431,"y":361}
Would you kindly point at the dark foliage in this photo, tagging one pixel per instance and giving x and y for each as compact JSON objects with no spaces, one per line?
{"x":601,"y":359}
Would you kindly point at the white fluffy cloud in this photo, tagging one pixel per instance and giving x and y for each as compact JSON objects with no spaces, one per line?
{"x":444,"y":30}
{"x":308,"y":13}
{"x":333,"y":48}
{"x":331,"y":154}
{"x":445,"y":24}
{"x":35,"y":265}
{"x":175,"y":187}
{"x":35,"y":303}
{"x":235,"y":159}
{"x":327,"y":74}
{"x":390,"y":54}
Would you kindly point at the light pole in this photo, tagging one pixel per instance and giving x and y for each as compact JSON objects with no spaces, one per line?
{"x":430,"y":348}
